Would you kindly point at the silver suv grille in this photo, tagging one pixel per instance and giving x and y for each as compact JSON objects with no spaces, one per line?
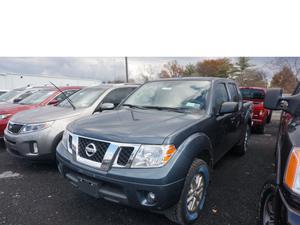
{"x":102,"y":154}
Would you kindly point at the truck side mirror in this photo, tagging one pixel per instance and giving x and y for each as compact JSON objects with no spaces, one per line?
{"x":107,"y":106}
{"x":16,"y":100}
{"x":229,"y":107}
{"x":272,"y":98}
{"x":275,"y":101}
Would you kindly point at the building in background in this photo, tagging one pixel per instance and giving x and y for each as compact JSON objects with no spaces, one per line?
{"x":11,"y":81}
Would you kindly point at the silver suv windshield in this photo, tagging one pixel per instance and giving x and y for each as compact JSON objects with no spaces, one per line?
{"x":11,"y":94}
{"x":37,"y":97}
{"x":84,"y":98}
{"x":183,"y":95}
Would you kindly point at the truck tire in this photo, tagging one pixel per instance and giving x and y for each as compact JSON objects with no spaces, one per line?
{"x":269,"y":118}
{"x":261,"y":129}
{"x":242,"y":147}
{"x":193,"y":194}
{"x":268,"y":209}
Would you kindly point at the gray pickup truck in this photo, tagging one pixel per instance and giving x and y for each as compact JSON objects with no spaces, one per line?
{"x":155,"y":151}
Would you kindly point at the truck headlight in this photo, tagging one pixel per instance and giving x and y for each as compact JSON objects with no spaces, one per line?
{"x":292,"y":173}
{"x":153,"y":156}
{"x":4,"y":116}
{"x":35,"y":127}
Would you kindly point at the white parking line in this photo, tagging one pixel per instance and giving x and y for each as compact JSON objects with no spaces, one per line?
{"x":9,"y":174}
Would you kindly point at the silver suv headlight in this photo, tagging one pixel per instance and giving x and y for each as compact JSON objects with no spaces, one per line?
{"x":150,"y":156}
{"x":28,"y":128}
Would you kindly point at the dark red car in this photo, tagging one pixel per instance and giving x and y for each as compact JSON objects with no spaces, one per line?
{"x":43,"y":97}
{"x":260,"y":115}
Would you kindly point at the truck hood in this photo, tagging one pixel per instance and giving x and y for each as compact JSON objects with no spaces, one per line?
{"x":9,"y":108}
{"x":45,"y":114}
{"x":133,"y":125}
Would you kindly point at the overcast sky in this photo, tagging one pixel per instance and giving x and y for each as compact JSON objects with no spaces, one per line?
{"x":102,"y":68}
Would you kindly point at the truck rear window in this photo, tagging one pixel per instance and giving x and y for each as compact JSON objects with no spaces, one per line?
{"x":252,"y":94}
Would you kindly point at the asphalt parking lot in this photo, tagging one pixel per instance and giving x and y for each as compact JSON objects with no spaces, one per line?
{"x":37,"y":194}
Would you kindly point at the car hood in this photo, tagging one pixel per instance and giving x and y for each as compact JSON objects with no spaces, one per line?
{"x":45,"y":114}
{"x":9,"y":108}
{"x":133,"y":125}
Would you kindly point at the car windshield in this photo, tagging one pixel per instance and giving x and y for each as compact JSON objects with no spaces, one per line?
{"x":83,"y":98}
{"x":37,"y":97}
{"x":252,"y":93}
{"x":181,"y":95}
{"x":9,"y":95}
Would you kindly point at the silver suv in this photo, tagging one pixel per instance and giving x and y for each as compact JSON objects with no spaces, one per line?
{"x":34,"y":134}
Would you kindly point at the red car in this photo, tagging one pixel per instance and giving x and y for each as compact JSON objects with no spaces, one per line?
{"x":260,"y":115}
{"x":43,"y":97}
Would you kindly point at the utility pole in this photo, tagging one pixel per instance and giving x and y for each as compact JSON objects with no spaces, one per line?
{"x":126,"y":68}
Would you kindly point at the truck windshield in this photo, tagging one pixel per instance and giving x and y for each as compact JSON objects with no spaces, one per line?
{"x":252,"y":93}
{"x":11,"y":94}
{"x":37,"y":97}
{"x":83,"y":98}
{"x":184,"y":95}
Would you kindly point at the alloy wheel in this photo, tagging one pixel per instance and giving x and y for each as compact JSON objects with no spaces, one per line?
{"x":195,"y":193}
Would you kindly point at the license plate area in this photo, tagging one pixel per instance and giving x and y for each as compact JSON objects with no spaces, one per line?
{"x":89,"y":187}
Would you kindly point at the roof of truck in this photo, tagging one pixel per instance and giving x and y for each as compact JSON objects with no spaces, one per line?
{"x":195,"y":78}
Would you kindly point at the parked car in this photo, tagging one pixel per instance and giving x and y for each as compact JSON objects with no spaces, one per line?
{"x":3,"y":92}
{"x":18,"y":94}
{"x":45,"y":96}
{"x":280,"y":195}
{"x":156,"y":149}
{"x":50,"y":122}
{"x":260,"y":115}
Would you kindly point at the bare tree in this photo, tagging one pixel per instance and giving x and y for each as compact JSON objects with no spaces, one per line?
{"x":146,"y":74}
{"x":293,"y":63}
{"x":171,"y":69}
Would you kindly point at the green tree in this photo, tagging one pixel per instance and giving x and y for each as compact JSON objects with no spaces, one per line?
{"x":241,"y":66}
{"x":190,"y":70}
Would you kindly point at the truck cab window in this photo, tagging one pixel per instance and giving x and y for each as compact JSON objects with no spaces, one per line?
{"x":233,"y":93}
{"x":221,"y":96}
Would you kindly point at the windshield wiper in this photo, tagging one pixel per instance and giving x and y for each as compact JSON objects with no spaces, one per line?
{"x":177,"y":109}
{"x":134,"y":106}
{"x":69,"y":100}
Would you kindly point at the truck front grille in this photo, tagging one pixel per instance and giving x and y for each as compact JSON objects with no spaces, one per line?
{"x":124,"y":155}
{"x":14,"y":128}
{"x":101,"y":148}
{"x":102,"y":154}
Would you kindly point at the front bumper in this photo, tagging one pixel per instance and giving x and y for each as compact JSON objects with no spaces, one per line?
{"x":25,"y":145}
{"x":292,"y":216}
{"x":120,"y":185}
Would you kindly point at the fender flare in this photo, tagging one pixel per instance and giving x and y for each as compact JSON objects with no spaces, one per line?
{"x":198,"y":145}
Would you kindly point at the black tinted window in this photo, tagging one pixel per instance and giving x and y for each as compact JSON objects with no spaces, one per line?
{"x":252,"y":93}
{"x":221,"y":96}
{"x":233,"y":92}
{"x":117,"y":95}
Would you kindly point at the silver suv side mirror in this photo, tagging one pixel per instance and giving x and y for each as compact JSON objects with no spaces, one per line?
{"x":107,"y":106}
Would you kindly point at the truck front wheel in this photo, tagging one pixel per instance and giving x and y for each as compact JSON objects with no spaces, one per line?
{"x":192,"y":198}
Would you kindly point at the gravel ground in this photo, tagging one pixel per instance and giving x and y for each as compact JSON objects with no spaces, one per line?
{"x":35,"y":194}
